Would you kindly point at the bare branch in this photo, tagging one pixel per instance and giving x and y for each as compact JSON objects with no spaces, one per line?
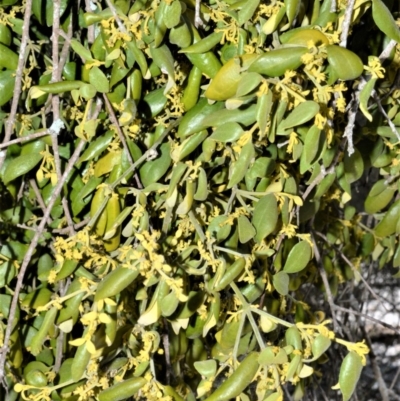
{"x":121,"y":136}
{"x":9,"y":125}
{"x":324,"y":277}
{"x":365,"y":316}
{"x":25,"y":138}
{"x":346,"y":23}
{"x":29,"y":254}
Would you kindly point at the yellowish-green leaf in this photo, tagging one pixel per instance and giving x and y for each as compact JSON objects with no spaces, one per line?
{"x":298,"y":257}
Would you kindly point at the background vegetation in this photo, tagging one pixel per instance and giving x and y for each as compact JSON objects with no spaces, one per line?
{"x":198,"y":198}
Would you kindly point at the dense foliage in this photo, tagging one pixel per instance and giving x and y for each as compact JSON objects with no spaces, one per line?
{"x":179,"y":206}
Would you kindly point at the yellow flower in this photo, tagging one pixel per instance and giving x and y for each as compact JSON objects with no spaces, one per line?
{"x":374,"y":67}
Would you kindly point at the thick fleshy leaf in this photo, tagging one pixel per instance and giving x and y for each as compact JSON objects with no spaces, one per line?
{"x":240,"y":166}
{"x":353,"y":166}
{"x":301,"y":114}
{"x":384,"y":20}
{"x":229,"y":132}
{"x":345,"y":64}
{"x":153,"y":170}
{"x":349,"y":375}
{"x":20,"y":166}
{"x":379,"y":197}
{"x":226,"y":82}
{"x":302,"y":36}
{"x":206,"y":368}
{"x":276,"y":62}
{"x":246,"y":230}
{"x":280,"y":281}
{"x":364,"y":97}
{"x":98,"y":79}
{"x":298,"y":257}
{"x":387,"y":226}
{"x":265,"y":216}
{"x":320,"y":345}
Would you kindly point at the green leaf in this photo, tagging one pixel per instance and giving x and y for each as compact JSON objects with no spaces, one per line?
{"x":353,"y":166}
{"x":320,"y":345}
{"x":107,"y":162}
{"x":364,"y":97}
{"x":293,"y":337}
{"x":229,"y":132}
{"x":379,"y":197}
{"x":226,"y":82}
{"x":311,"y":145}
{"x":298,"y":258}
{"x":264,"y":106}
{"x":267,"y":356}
{"x":20,"y":166}
{"x":345,"y":64}
{"x":247,"y":11}
{"x":301,"y":114}
{"x":87,"y":91}
{"x":202,"y":188}
{"x":81,"y":50}
{"x":98,"y":79}
{"x":248,"y":82}
{"x":384,"y":20}
{"x":7,"y":273}
{"x":246,"y":229}
{"x":274,"y":397}
{"x":265,"y":216}
{"x":153,"y":170}
{"x":276,"y":62}
{"x":218,"y":229}
{"x":96,"y":147}
{"x":7,"y":82}
{"x":240,"y":166}
{"x":292,"y":8}
{"x":396,"y":257}
{"x":172,"y":14}
{"x":387,"y":226}
{"x":349,"y":375}
{"x":205,"y":44}
{"x":280,"y":281}
{"x":206,"y":368}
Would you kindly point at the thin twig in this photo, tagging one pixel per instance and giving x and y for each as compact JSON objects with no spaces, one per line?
{"x":120,"y":24}
{"x":9,"y":125}
{"x":197,"y":19}
{"x":324,"y":277}
{"x":394,"y":381}
{"x":365,"y":316}
{"x":25,"y":138}
{"x":351,"y":119}
{"x":70,"y":222}
{"x":121,"y":136}
{"x":65,"y":49}
{"x":88,"y":6}
{"x":377,"y":371}
{"x":150,"y":151}
{"x":387,"y":50}
{"x":346,"y":23}
{"x":60,"y":338}
{"x":29,"y":254}
{"x":66,"y":230}
{"x":55,"y":76}
{"x":383,"y":111}
{"x":38,"y":195}
{"x":166,"y":344}
{"x":353,"y":268}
